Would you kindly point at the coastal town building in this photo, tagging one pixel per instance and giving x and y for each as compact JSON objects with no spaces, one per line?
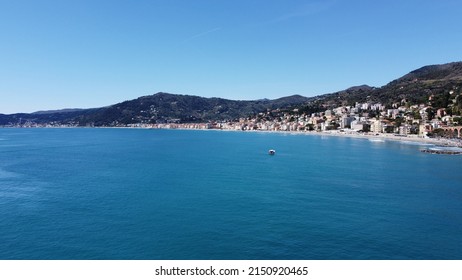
{"x":376,"y":126}
{"x":402,"y":119}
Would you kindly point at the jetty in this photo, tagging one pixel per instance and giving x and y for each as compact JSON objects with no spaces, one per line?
{"x":441,"y":152}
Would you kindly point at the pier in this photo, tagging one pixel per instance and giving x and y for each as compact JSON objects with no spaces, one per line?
{"x":441,"y":152}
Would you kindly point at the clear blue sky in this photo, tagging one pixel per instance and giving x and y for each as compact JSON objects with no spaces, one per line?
{"x":82,"y":54}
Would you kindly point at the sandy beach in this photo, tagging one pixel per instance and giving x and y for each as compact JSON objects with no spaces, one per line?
{"x":379,"y":137}
{"x":443,"y":142}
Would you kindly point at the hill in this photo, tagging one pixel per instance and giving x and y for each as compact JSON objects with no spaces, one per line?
{"x":158,"y":108}
{"x":441,"y":83}
{"x":445,"y":72}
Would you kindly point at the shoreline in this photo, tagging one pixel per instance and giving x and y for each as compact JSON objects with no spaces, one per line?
{"x":377,"y":137}
{"x":380,"y":137}
{"x":442,"y":142}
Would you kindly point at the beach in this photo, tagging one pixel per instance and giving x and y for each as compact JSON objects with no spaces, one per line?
{"x":442,"y":142}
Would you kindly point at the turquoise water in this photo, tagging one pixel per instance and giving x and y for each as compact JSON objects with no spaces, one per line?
{"x":167,"y":194}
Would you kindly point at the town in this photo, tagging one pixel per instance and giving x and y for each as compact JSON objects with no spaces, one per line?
{"x":402,"y":119}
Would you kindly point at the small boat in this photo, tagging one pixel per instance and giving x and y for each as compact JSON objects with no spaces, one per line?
{"x":272,"y":152}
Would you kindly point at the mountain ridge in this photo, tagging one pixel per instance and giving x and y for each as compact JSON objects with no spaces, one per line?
{"x":416,"y":86}
{"x":448,"y":71}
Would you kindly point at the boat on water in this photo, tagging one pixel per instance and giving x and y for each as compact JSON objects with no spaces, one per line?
{"x":272,"y":152}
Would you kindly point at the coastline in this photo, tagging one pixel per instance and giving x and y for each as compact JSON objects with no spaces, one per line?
{"x":390,"y":137}
{"x":376,"y":137}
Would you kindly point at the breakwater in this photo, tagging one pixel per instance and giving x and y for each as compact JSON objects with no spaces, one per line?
{"x":441,"y":152}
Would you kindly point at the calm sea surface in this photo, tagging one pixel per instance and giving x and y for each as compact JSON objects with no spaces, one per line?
{"x":168,"y":194}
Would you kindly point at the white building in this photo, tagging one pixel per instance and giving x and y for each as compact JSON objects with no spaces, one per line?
{"x":357,"y":125}
{"x":376,"y":126}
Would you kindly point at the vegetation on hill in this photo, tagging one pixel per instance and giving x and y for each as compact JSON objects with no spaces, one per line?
{"x":158,"y":108}
{"x":435,"y":85}
{"x":439,"y":86}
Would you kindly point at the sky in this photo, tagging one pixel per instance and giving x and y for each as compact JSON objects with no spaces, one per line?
{"x":57,"y":54}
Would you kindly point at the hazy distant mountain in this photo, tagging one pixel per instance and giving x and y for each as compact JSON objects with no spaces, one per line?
{"x":415,"y":87}
{"x":58,"y":111}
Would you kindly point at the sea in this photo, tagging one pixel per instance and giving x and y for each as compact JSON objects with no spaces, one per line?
{"x":145,"y":194}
